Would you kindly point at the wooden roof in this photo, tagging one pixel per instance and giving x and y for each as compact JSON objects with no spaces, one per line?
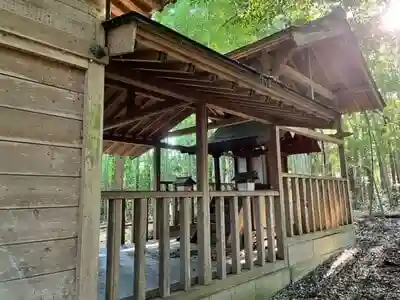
{"x":156,"y":76}
{"x":144,"y":7}
{"x":321,"y":57}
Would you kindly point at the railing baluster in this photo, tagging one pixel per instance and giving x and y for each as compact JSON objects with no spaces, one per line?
{"x":204,"y":240}
{"x":193,"y":210}
{"x":140,"y":247}
{"x":269,"y":209}
{"x":184,"y":213}
{"x":297,"y":207}
{"x":154,"y":209}
{"x":147,"y":218}
{"x":248,"y":236}
{"x":348,"y":201}
{"x":288,"y":206}
{"x":221,"y":236}
{"x":133,"y":222}
{"x":234,"y":234}
{"x":303,"y":201}
{"x":259,"y":211}
{"x":164,"y":247}
{"x":331,"y":205}
{"x":113,"y":248}
{"x":324,"y":206}
{"x":345,"y":202}
{"x":339,"y":202}
{"x":336,"y":204}
{"x":310,"y":206}
{"x":176,"y":212}
{"x":317,"y":201}
{"x":123,"y":221}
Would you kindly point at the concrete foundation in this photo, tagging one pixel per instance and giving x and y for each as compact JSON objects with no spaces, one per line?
{"x":305,"y":253}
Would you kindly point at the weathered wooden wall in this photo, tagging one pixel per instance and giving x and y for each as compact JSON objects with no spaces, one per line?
{"x":47,"y":108}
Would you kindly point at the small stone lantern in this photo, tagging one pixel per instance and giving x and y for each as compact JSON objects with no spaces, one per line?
{"x":184,"y":184}
{"x":245,"y":181}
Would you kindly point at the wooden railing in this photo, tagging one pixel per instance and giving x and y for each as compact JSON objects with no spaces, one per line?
{"x":231,"y":215}
{"x":173,"y":210}
{"x":315,"y":203}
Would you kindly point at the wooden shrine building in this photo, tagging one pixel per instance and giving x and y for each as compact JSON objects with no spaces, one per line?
{"x":75,"y":83}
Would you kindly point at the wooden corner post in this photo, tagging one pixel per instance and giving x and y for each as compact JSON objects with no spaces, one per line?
{"x":275,"y":165}
{"x":89,"y":206}
{"x":203,"y":225}
{"x":344,"y":172}
{"x":118,"y":185}
{"x":156,"y":187}
{"x":217,"y":172}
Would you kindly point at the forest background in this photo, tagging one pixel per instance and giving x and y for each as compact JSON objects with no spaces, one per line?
{"x":373,"y":149}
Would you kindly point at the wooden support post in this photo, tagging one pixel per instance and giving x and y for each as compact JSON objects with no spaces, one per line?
{"x":123,"y":221}
{"x":235,"y":165}
{"x":344,"y":173}
{"x":164,"y":248}
{"x":303,"y":205}
{"x":118,"y":185}
{"x":249,"y":163}
{"x":248,"y":236}
{"x":203,"y":223}
{"x":89,"y":204}
{"x":234,"y":233}
{"x":184,"y":225}
{"x":324,"y":205}
{"x":217,"y":172}
{"x":269,"y":204}
{"x":317,"y":204}
{"x":156,"y":187}
{"x":311,"y":202}
{"x":221,"y":236}
{"x":274,"y":160}
{"x":133,"y":230}
{"x":260,"y":232}
{"x":287,"y":194}
{"x":140,"y":247}
{"x":296,"y":206}
{"x":114,"y":233}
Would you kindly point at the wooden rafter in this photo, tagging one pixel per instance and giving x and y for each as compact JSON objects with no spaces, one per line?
{"x":144,"y":113}
{"x":143,"y":142}
{"x":189,"y":95}
{"x":170,"y":67}
{"x":313,"y":134}
{"x":148,"y":34}
{"x":218,"y":124}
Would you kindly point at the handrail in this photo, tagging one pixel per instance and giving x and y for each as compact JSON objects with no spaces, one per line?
{"x":290,"y":175}
{"x":147,"y":194}
{"x":244,"y":193}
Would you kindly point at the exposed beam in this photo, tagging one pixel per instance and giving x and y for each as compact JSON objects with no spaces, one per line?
{"x":170,"y":67}
{"x":168,"y":88}
{"x":144,"y":142}
{"x":121,"y":40}
{"x":225,"y":107}
{"x":296,"y":76}
{"x":196,"y":77}
{"x":313,"y":134}
{"x":144,"y":113}
{"x":150,"y":93}
{"x":145,"y":82}
{"x":143,"y":56}
{"x":218,"y":124}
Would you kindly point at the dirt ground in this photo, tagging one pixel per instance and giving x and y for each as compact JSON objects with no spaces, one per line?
{"x":371,"y":270}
